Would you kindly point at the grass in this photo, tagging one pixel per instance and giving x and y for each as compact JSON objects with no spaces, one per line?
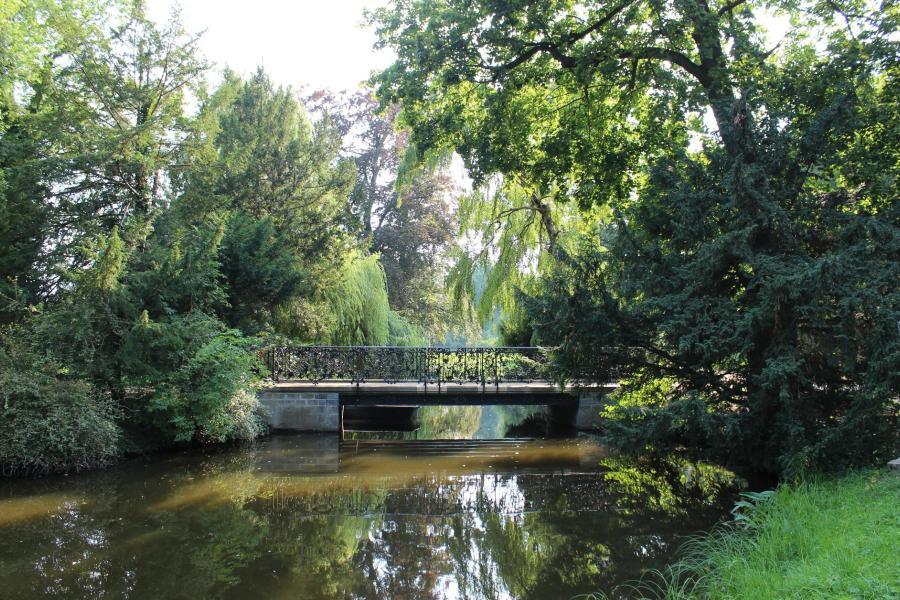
{"x":824,"y":538}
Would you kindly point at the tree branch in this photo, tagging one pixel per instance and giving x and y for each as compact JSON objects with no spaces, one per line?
{"x":674,"y":57}
{"x":730,"y":6}
{"x":546,"y":46}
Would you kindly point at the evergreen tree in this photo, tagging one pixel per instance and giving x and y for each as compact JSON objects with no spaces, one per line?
{"x":256,"y":157}
{"x":745,"y":272}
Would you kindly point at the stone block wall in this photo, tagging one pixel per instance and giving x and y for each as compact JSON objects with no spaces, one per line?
{"x":589,"y":407}
{"x":301,"y":411}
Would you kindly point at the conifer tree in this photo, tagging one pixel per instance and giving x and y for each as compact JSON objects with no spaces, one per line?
{"x":743,"y":270}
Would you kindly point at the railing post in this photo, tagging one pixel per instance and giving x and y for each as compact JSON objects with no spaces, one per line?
{"x":496,"y":370}
{"x":270,"y":358}
{"x":357,"y":358}
{"x":421,"y":366}
{"x":481,"y":372}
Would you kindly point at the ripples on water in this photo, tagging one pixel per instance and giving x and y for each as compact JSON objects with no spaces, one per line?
{"x":313,"y":517}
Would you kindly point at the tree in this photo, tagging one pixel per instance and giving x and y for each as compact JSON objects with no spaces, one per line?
{"x":34,"y":35}
{"x":400,"y":211}
{"x":88,"y":149}
{"x":256,"y":157}
{"x":752,"y":261}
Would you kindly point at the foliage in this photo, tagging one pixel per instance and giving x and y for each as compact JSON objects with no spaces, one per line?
{"x":143,"y":246}
{"x":212,"y":395}
{"x":258,"y":153}
{"x":359,"y":304}
{"x":397,"y":209}
{"x":818,"y":539}
{"x":448,"y":422}
{"x":401,"y":332}
{"x":259,"y":270}
{"x":752,"y":257}
{"x":50,"y":421}
{"x":140,"y":322}
{"x":510,"y":238}
{"x":94,"y":129}
{"x":280,"y":180}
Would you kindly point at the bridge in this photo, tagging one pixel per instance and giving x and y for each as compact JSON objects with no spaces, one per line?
{"x":312,"y":385}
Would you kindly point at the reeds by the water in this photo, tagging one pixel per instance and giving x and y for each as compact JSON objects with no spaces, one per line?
{"x":821,"y":538}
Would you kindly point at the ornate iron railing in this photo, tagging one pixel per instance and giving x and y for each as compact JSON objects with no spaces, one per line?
{"x":392,"y":364}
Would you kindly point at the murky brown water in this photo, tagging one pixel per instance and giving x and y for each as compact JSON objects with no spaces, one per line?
{"x":311,"y":517}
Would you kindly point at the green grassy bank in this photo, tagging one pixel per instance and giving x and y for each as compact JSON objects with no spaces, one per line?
{"x":826,"y":538}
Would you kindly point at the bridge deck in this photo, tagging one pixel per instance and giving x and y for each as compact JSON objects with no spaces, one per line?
{"x":417,"y":394}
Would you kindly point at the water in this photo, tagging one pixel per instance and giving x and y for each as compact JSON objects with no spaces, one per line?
{"x":313,"y":517}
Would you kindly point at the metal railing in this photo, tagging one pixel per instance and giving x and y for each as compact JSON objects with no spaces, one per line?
{"x":393,"y":364}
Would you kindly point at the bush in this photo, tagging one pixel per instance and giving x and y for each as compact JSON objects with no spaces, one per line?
{"x":49,"y":422}
{"x":211,"y":396}
{"x":823,"y":397}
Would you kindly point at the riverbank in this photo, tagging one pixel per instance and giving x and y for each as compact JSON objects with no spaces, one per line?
{"x":826,"y":538}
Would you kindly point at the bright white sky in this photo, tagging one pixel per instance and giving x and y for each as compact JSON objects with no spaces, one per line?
{"x":317,"y":44}
{"x":312,"y":43}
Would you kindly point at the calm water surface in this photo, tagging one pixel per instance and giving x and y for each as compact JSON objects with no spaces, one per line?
{"x":315,"y":517}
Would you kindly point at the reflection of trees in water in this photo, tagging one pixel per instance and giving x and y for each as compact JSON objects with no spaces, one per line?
{"x":311,"y":557}
{"x":401,"y":561}
{"x":497,"y":421}
{"x":672,"y":485}
{"x":111,"y":546}
{"x":218,"y":528}
{"x":294,"y":497}
{"x":448,"y":422}
{"x":635,"y":514}
{"x":465,"y":422}
{"x":524,"y":555}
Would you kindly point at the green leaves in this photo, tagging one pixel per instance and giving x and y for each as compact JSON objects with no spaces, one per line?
{"x":359,"y":304}
{"x":211,"y":395}
{"x":745,"y":511}
{"x":720,"y":206}
{"x":259,"y":271}
{"x":50,"y":421}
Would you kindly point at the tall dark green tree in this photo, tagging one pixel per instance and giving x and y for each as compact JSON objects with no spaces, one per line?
{"x":257,"y":157}
{"x":750,"y":263}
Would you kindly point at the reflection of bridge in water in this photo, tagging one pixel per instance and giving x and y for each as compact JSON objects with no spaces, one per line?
{"x":311,"y":385}
{"x":315,"y":474}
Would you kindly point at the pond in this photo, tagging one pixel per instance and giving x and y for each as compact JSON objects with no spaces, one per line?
{"x":409,"y":516}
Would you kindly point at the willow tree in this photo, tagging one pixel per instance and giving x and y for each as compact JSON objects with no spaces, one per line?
{"x":398,"y":209}
{"x":745,"y":191}
{"x":359,"y":304}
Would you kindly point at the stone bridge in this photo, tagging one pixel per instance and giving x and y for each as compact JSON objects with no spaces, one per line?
{"x":312,"y":385}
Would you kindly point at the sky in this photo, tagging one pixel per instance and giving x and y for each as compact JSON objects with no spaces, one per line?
{"x":309,"y":44}
{"x":318,"y":44}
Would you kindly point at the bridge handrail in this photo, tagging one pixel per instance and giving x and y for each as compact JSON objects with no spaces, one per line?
{"x":429,"y":365}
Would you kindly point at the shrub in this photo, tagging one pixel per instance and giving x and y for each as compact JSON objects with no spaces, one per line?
{"x":211,"y":396}
{"x":50,"y":422}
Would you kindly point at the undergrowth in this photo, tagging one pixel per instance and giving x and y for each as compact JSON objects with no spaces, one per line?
{"x":822,"y":538}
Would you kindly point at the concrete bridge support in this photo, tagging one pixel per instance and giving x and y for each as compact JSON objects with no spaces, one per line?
{"x":583,"y":414}
{"x":301,"y":411}
{"x":590,"y":405}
